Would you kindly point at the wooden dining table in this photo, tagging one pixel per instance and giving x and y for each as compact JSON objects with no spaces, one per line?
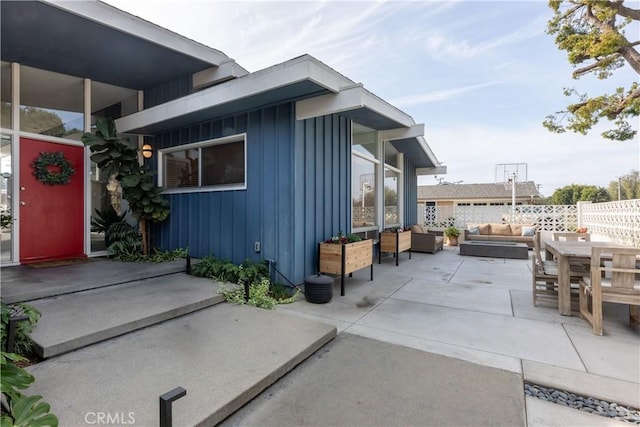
{"x":565,"y":252}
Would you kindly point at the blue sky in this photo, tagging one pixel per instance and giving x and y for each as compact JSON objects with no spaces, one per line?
{"x":481,"y":76}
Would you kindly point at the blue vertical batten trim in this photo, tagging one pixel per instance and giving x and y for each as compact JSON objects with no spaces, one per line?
{"x":168,"y":91}
{"x":410,"y":193}
{"x":323,"y":158}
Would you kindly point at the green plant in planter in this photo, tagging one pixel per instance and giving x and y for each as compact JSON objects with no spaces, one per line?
{"x":451,"y":232}
{"x":103,"y":219}
{"x":118,"y":157}
{"x":6,"y":219}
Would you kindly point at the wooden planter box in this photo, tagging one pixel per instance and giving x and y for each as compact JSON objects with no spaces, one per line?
{"x":395,"y":243}
{"x":344,"y":259}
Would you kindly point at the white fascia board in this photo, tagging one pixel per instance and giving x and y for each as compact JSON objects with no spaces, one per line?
{"x":290,"y":72}
{"x":124,"y":22}
{"x":345,"y":100}
{"x":350,"y":98}
{"x":439,"y":170}
{"x":214,"y":75}
{"x":403,"y":133}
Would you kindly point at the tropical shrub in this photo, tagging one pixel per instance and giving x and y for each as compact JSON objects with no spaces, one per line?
{"x":262,"y":293}
{"x":22,"y":343}
{"x":21,"y":410}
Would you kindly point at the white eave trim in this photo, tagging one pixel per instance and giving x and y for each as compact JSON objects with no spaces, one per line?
{"x":215,"y":75}
{"x":351,"y":98}
{"x":124,"y":22}
{"x":438,"y":170}
{"x":414,"y":131}
{"x":304,"y":68}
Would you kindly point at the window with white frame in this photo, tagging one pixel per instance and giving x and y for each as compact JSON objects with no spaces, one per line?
{"x":391,"y":186}
{"x":214,"y":165}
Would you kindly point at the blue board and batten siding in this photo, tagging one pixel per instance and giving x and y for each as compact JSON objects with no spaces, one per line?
{"x":410,"y":193}
{"x":323,"y":186}
{"x":297,"y":192}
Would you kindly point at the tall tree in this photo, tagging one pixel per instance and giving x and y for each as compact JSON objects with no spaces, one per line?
{"x":628,"y":185}
{"x":592,"y":32}
{"x":571,"y":194}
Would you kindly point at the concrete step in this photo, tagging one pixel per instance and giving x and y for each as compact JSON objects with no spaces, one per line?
{"x":75,"y":320}
{"x":223,"y":356}
{"x":23,"y":283}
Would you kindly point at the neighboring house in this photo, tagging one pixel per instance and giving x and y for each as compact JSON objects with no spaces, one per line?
{"x":254,"y":165}
{"x":445,"y":197}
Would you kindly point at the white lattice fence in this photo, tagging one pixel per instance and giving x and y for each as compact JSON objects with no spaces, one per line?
{"x":615,"y":221}
{"x":546,"y":217}
{"x":619,"y":221}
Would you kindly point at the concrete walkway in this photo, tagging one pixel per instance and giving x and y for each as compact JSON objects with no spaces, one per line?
{"x":24,"y":283}
{"x":79,"y":319}
{"x":356,"y":381}
{"x":223,"y":356}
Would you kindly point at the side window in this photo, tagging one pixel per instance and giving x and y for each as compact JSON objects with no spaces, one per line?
{"x":213,"y":165}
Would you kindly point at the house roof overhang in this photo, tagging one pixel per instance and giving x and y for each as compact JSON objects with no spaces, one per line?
{"x":367,"y":109}
{"x":298,"y":78}
{"x":124,"y":50}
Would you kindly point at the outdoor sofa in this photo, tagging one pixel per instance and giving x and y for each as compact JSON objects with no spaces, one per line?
{"x":424,"y":241}
{"x":514,"y":233}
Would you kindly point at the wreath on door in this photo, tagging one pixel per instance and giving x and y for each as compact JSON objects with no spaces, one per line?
{"x":52,"y":168}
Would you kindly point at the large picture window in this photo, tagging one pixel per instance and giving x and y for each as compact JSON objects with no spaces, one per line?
{"x":218,"y":164}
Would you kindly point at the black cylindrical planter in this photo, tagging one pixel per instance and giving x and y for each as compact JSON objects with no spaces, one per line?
{"x":318,"y":288}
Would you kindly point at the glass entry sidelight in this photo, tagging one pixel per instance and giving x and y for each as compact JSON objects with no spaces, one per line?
{"x":51,"y":214}
{"x":6,"y":187}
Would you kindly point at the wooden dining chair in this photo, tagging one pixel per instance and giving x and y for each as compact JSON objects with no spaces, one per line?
{"x":573,"y":237}
{"x":570,"y":237}
{"x":545,"y":275}
{"x":616,"y":281}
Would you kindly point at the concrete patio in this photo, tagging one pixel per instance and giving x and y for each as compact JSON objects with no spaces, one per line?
{"x":467,"y":321}
{"x":480,"y":310}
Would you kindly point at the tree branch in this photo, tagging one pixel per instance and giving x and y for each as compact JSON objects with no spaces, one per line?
{"x":597,"y":64}
{"x":626,"y":51}
{"x":626,"y":101}
{"x":622,"y":10}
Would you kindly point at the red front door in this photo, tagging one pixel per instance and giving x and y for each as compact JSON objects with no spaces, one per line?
{"x":51,"y":216}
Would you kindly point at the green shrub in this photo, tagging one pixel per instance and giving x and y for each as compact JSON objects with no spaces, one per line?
{"x":23,"y":411}
{"x":262,"y":293}
{"x":126,"y":242}
{"x":22,"y":343}
{"x":225,"y":271}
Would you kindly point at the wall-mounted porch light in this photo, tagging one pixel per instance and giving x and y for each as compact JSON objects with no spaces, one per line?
{"x":147,"y":151}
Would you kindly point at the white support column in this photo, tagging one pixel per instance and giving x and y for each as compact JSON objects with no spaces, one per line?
{"x":401,"y":190}
{"x":15,"y":161}
{"x":380,"y":181}
{"x":88,"y":206}
{"x":140,"y":137}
